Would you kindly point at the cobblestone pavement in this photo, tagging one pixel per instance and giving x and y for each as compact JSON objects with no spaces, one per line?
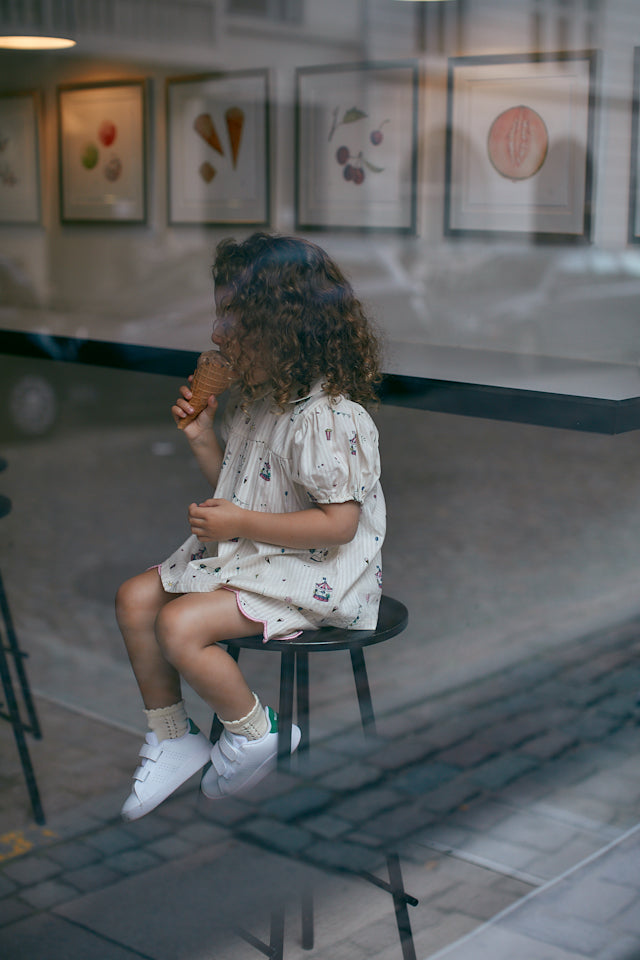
{"x":512,"y":802}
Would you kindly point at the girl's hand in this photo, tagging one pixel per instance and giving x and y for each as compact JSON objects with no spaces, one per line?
{"x":202,"y":422}
{"x":215,"y":519}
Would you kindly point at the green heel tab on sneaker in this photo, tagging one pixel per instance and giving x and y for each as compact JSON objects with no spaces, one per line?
{"x":273,"y":720}
{"x":192,"y":727}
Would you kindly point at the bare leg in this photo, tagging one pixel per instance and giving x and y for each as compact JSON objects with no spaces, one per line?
{"x":188,"y":631}
{"x":138,"y":603}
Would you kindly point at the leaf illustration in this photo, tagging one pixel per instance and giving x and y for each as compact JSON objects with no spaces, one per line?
{"x":352,"y":115}
{"x":371,"y":167}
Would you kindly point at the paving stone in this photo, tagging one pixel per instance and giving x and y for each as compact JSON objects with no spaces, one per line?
{"x":623,"y":948}
{"x":451,"y":796}
{"x":498,"y":772}
{"x":31,"y":869}
{"x":73,"y":855}
{"x":366,"y":803}
{"x":350,"y":777}
{"x":111,"y":840}
{"x":93,"y":877}
{"x":326,"y":825}
{"x":550,"y":744}
{"x":343,"y":856}
{"x":201,"y":833}
{"x":546,"y":926}
{"x":13,"y":909}
{"x":132,"y":861}
{"x":596,"y":900}
{"x":7,"y":886}
{"x":298,"y":802}
{"x":149,"y":828}
{"x":425,"y":777}
{"x":48,"y":894}
{"x":399,"y":753}
{"x":469,"y":753}
{"x":169,"y":848}
{"x":399,"y":822}
{"x":283,"y":836}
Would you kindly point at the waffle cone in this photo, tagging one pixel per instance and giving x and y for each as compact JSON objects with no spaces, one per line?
{"x":203,"y":125}
{"x":235,"y":121}
{"x":212,"y":376}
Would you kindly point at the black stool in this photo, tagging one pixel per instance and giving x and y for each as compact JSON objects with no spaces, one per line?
{"x":294,"y":668}
{"x":10,"y":652}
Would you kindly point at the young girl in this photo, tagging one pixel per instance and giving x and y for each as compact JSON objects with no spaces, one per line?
{"x":291,"y":539}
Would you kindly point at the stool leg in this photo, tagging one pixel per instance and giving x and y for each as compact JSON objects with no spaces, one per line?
{"x":306,"y":910}
{"x":400,"y":907}
{"x":363,"y":692}
{"x":216,"y":724}
{"x":276,"y":941}
{"x":285,"y":710}
{"x":18,"y":733}
{"x":302,"y":695}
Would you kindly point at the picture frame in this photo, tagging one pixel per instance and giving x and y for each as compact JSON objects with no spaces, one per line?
{"x":218,"y":149}
{"x":634,"y":179}
{"x":102,"y":152}
{"x":520,"y":146}
{"x":357,"y":147}
{"x":20,"y":199}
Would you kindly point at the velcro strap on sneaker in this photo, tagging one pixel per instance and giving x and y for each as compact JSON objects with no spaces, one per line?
{"x":141,"y":774}
{"x":150,"y":752}
{"x":228,"y":750}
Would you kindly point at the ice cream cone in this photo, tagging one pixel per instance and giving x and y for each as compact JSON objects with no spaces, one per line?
{"x":235,"y":122}
{"x":212,"y":376}
{"x":203,"y":124}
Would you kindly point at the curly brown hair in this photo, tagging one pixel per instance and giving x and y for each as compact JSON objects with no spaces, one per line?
{"x":291,"y":305}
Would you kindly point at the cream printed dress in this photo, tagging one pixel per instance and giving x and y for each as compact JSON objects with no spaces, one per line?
{"x":319,"y":450}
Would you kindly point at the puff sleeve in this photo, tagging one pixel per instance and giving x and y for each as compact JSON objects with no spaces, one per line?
{"x":334,"y":453}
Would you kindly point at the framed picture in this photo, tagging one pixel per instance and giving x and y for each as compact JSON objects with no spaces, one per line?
{"x":19,"y":158}
{"x":356,"y":147}
{"x":218,"y":148}
{"x":519,"y":150}
{"x":102,"y":137}
{"x":634,"y":197}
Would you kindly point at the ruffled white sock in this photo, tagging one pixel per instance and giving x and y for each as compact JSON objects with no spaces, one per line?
{"x":253,"y":726}
{"x":168,"y":723}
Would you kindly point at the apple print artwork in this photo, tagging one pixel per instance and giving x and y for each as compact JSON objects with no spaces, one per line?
{"x":113,"y":169}
{"x":90,"y":155}
{"x":107,"y":133}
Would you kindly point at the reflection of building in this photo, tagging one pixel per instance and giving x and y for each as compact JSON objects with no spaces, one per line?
{"x":150,"y":283}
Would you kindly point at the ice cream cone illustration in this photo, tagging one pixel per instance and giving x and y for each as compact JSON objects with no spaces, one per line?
{"x":212,"y":376}
{"x":235,"y":122}
{"x":203,"y":124}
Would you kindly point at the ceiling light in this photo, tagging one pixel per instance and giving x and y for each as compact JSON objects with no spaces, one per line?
{"x":45,"y":25}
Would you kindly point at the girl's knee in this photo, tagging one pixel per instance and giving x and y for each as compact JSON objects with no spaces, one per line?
{"x":138,"y":599}
{"x":180,"y":632}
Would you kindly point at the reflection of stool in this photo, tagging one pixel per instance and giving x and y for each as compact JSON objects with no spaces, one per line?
{"x":9,"y":645}
{"x":294,"y":667}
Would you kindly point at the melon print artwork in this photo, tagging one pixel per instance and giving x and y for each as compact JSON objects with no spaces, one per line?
{"x":517,"y":143}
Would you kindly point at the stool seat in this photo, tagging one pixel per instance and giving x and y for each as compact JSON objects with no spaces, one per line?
{"x":294,"y":669}
{"x":392,"y":619}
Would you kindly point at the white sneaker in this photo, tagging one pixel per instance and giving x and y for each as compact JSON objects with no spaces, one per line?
{"x":238,"y":764}
{"x":165,"y":766}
